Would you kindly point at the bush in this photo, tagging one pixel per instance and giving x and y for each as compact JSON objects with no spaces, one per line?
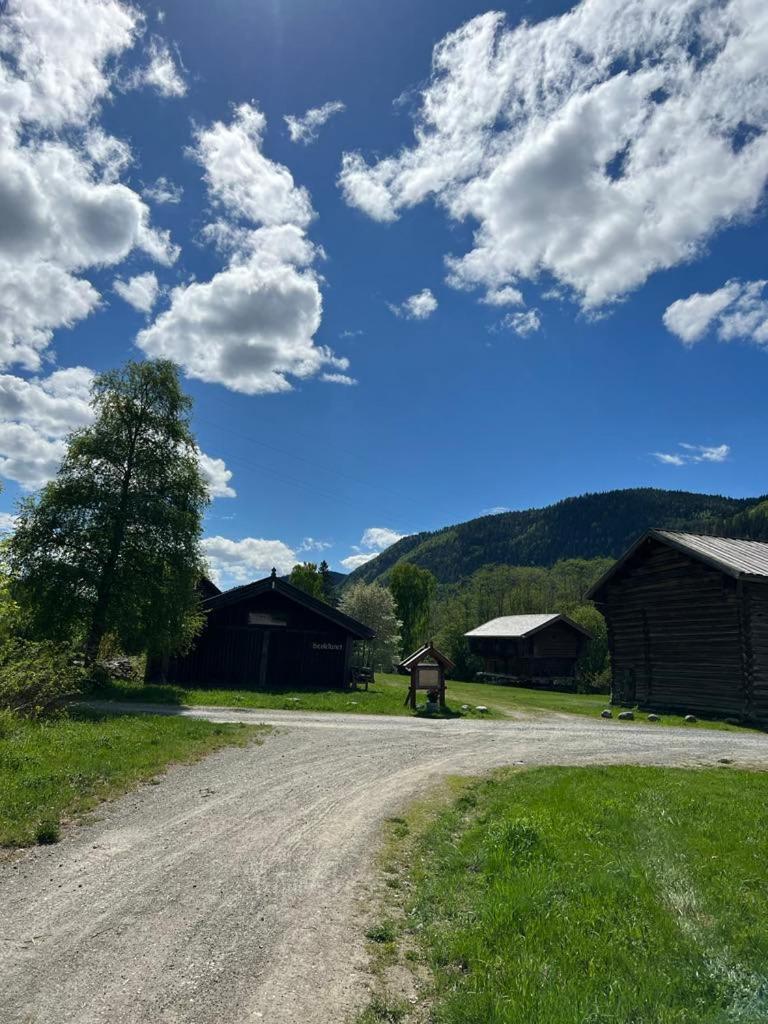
{"x":594,"y":682}
{"x":38,"y":677}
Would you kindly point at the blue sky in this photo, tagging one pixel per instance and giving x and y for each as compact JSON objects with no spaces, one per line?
{"x":521,"y":259}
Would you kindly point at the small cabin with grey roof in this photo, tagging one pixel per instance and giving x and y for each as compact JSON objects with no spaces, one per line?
{"x":687,"y":619}
{"x":532,"y":650}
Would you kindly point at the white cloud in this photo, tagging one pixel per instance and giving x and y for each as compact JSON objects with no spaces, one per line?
{"x":36,"y":415}
{"x":352,"y":562}
{"x":694,"y":453}
{"x":252,"y":326}
{"x":599,"y":146}
{"x":242,"y":180}
{"x":312,"y":544}
{"x":241,"y":561}
{"x":380,"y":537}
{"x":63,"y":210}
{"x":374,"y":540}
{"x":669,"y":459}
{"x":7,"y":521}
{"x":495,"y":511}
{"x":506,"y":296}
{"x":140,"y":291}
{"x":305,"y":128}
{"x":163,"y":191}
{"x":338,"y":378}
{"x":738,"y":310}
{"x":161,"y":72}
{"x":216,"y":476}
{"x":523,"y":323}
{"x":416,"y":307}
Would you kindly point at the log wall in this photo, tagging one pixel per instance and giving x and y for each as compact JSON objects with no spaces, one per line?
{"x":675,"y":631}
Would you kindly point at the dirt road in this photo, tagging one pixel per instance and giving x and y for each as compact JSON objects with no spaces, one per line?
{"x":235,"y":890}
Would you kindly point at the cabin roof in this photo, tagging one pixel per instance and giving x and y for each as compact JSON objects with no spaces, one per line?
{"x":327,"y":611}
{"x":427,"y":650}
{"x":517,"y":627}
{"x":742,"y":559}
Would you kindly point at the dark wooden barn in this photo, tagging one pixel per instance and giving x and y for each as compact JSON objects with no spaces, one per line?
{"x":267,"y":635}
{"x":530,"y":650}
{"x":688,"y":624}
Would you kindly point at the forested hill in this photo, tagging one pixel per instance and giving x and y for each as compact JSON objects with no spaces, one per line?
{"x":583,"y":527}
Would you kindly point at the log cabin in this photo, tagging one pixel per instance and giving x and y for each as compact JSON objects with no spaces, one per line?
{"x":267,"y":635}
{"x":529,"y":650}
{"x":687,"y":620}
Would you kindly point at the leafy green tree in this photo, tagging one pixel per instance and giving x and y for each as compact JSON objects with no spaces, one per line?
{"x":112,"y":544}
{"x":412,"y":589}
{"x":306,"y":576}
{"x":374,"y":606}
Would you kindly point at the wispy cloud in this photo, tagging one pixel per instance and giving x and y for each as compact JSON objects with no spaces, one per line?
{"x":694,"y":453}
{"x":305,"y":128}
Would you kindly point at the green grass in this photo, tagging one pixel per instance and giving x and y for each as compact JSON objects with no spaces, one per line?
{"x":386,"y":697}
{"x":52,"y":771}
{"x":593,"y":896}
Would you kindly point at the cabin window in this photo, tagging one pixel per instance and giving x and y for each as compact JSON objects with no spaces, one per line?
{"x":264,"y":619}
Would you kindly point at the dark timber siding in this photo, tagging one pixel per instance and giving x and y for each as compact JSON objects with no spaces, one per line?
{"x":265,"y":641}
{"x":677,"y":630}
{"x":756,"y":600}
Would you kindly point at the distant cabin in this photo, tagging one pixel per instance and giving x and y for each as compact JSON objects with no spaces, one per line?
{"x":529,"y":650}
{"x":687,"y":624}
{"x":267,"y":635}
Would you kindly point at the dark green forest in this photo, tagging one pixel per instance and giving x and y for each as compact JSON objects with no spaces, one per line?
{"x":599,"y":525}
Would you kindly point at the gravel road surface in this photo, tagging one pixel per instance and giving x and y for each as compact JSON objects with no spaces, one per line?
{"x":235,"y":891}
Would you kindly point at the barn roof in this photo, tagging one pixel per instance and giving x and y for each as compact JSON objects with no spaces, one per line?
{"x":249,"y":590}
{"x":516,"y":627}
{"x":742,"y":559}
{"x":427,"y":650}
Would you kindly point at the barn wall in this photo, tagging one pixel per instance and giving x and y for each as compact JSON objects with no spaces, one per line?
{"x":756,"y":603}
{"x":298,"y":648}
{"x":674,"y":629}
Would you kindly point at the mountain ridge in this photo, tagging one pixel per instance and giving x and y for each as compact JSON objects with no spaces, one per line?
{"x":591,"y":525}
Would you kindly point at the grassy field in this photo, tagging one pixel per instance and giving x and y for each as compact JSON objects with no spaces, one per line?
{"x":386,"y":697}
{"x":55,"y":770}
{"x":586,"y":896}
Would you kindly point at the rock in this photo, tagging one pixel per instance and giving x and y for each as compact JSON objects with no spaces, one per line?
{"x":690,"y":718}
{"x":607,"y":713}
{"x":481,"y":708}
{"x":627,"y":716}
{"x":653,"y":718}
{"x":725,"y":760}
{"x":465,"y":707}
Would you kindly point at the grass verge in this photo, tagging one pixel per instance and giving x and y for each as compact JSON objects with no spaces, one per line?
{"x":52,"y":771}
{"x":386,"y":697}
{"x":588,"y":896}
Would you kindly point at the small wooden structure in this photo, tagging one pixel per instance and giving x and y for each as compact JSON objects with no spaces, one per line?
{"x":687,"y":623}
{"x":529,"y":650}
{"x":427,"y":668}
{"x":266,"y":635}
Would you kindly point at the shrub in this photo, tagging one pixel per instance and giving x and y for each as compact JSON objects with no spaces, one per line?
{"x":47,"y":833}
{"x":37,"y":677}
{"x":594,"y":682}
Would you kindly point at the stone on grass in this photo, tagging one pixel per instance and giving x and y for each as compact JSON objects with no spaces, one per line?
{"x":653,"y":718}
{"x":627,"y":716}
{"x":465,"y":707}
{"x":690,"y":718}
{"x":606,"y":713}
{"x":481,"y":707}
